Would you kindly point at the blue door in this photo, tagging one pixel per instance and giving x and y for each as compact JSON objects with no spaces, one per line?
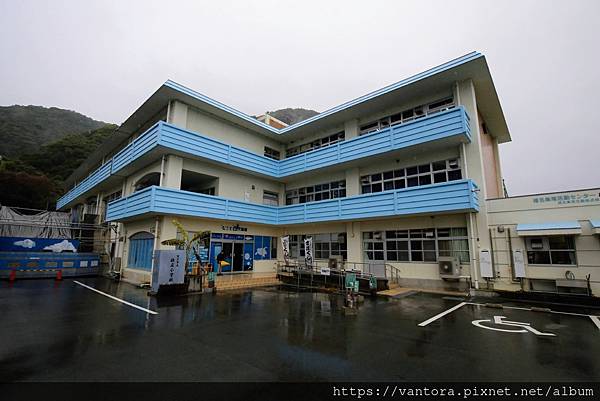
{"x":141,"y":248}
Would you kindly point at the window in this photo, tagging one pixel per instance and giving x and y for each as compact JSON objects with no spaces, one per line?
{"x":147,"y":180}
{"x":263,"y":247}
{"x":407,"y":115}
{"x":272,"y":153}
{"x":416,"y":245}
{"x":270,"y":198}
{"x":453,"y":242}
{"x":141,"y":249}
{"x":316,"y":144}
{"x":551,"y":250}
{"x":324,"y":245}
{"x":318,"y":192}
{"x":430,"y":173}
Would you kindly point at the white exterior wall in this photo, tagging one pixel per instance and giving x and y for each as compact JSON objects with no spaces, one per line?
{"x":509,"y":212}
{"x":233,"y":184}
{"x":205,"y":124}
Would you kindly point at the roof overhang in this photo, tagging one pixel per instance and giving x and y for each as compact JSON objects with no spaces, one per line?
{"x":471,"y":66}
{"x":549,"y":228}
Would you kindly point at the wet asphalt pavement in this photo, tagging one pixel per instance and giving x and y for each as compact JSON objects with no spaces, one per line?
{"x":57,"y":331}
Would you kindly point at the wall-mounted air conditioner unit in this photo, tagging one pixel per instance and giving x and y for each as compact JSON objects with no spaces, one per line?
{"x":449,"y":267}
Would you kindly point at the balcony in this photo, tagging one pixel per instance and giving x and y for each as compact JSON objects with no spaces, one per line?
{"x":449,"y":197}
{"x":449,"y":127}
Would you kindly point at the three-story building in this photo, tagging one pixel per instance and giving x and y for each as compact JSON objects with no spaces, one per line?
{"x":403,"y":176}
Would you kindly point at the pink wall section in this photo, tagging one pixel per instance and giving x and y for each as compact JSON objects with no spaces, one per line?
{"x":490,"y":172}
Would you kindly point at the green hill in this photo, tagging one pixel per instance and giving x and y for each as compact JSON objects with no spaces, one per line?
{"x":292,"y":116}
{"x":23,"y":129}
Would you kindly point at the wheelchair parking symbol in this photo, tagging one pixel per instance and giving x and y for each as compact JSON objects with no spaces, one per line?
{"x":517,"y":327}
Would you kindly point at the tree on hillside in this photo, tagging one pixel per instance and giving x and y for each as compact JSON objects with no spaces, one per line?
{"x":60,"y":158}
{"x":27,"y":190}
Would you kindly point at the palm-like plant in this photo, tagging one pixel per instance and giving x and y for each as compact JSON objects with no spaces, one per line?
{"x":187,"y":242}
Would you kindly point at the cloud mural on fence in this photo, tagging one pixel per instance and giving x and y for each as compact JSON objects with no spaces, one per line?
{"x":26,"y":243}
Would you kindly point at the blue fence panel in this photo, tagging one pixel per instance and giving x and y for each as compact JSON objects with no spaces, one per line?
{"x":446,"y":124}
{"x":454,"y":196}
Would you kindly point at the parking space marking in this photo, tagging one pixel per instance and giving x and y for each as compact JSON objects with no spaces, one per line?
{"x":436,"y":317}
{"x":116,"y":299}
{"x":596,"y":320}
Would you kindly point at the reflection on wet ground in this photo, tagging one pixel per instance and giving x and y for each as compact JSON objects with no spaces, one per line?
{"x":61,"y":331}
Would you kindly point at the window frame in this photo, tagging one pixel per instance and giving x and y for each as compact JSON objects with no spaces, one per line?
{"x":272,"y":153}
{"x":417,"y":112}
{"x":316,"y":193}
{"x":546,"y":248}
{"x":369,"y":183}
{"x":274,"y":196}
{"x":380,"y":243}
{"x":315,"y":144}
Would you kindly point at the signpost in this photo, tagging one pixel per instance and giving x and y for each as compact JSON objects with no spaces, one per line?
{"x":168,"y":269}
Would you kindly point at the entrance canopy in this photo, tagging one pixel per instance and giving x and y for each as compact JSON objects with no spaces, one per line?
{"x":549,"y":228}
{"x":595,"y":226}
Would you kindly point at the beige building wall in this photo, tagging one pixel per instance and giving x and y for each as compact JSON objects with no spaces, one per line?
{"x":505,"y":214}
{"x":491,"y":164}
{"x":472,"y":161}
{"x":235,"y":185}
{"x":221,"y":130}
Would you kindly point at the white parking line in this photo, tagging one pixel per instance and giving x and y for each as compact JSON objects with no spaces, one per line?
{"x":116,"y":299}
{"x":596,"y":320}
{"x":436,"y":317}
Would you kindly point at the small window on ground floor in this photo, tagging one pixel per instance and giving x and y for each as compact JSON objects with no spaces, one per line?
{"x":551,"y":250}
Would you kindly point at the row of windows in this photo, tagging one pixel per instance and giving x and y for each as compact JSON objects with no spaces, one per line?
{"x":420,"y":245}
{"x":324,"y":245}
{"x":313,"y":193}
{"x":436,"y":172}
{"x":316,"y":144}
{"x":553,"y":250}
{"x":407,"y":115}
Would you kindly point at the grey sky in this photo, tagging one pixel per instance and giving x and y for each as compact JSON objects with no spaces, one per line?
{"x":104,"y":58}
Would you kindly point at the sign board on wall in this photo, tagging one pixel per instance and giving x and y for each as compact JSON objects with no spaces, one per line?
{"x":485,"y":264}
{"x":169,"y":268}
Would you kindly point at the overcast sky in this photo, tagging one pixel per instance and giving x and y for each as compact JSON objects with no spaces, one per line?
{"x":104,"y":58}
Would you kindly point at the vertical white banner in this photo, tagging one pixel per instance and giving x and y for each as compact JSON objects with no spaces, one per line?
{"x":285,"y":245}
{"x":308,"y":252}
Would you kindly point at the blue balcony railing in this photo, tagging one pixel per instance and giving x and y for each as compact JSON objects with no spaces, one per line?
{"x":448,"y":197}
{"x":452,"y":123}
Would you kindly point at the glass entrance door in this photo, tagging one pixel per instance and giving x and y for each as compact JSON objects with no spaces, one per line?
{"x":238,"y":257}
{"x":237,"y":251}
